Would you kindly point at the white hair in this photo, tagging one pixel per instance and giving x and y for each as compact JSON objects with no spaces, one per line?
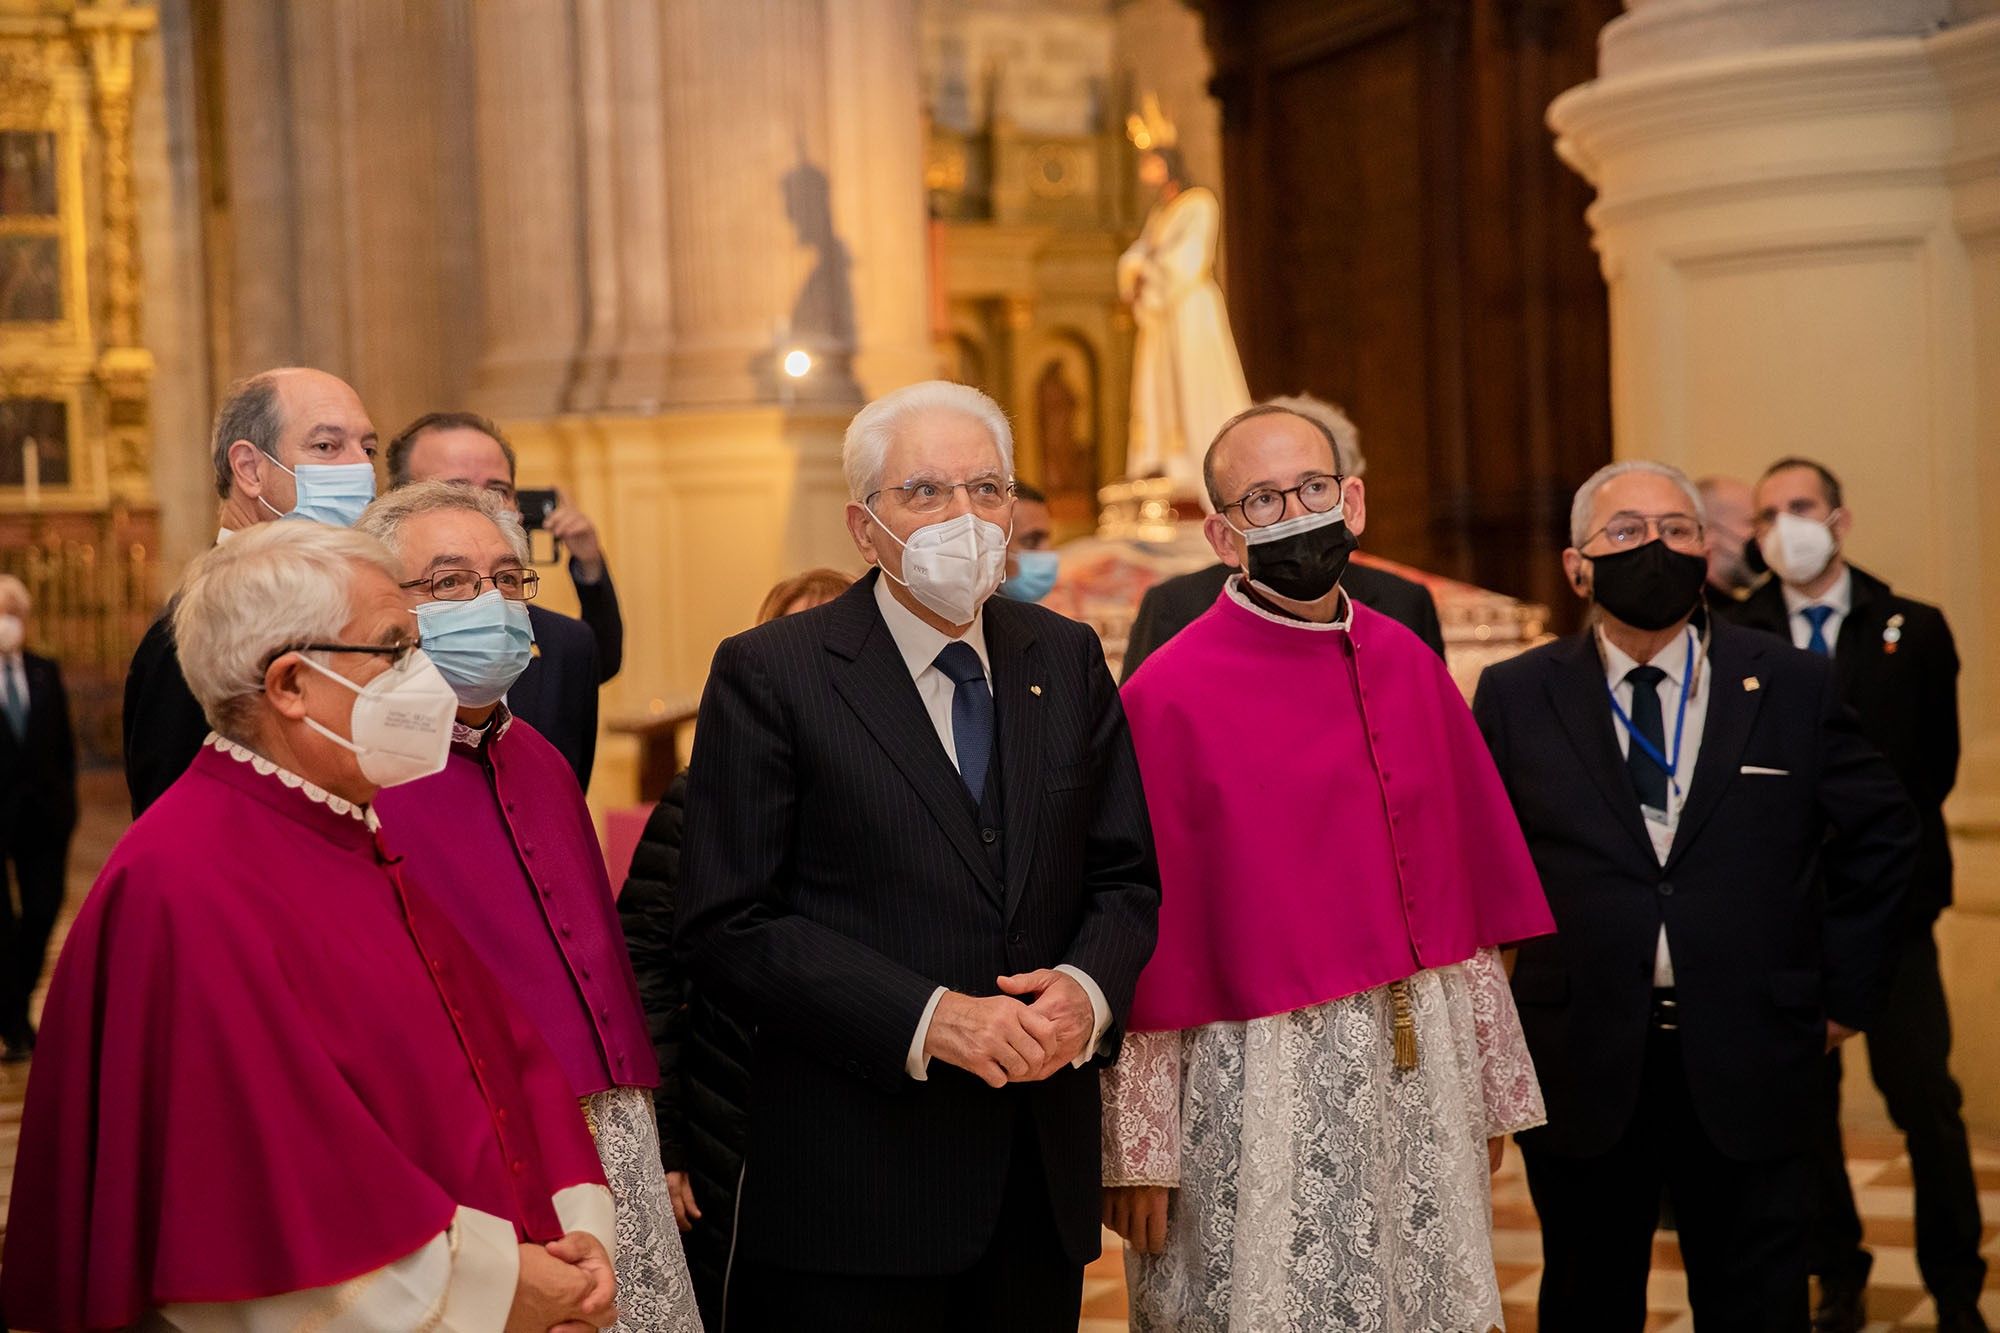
{"x":249,"y":598}
{"x":1332,"y":419}
{"x":1586,"y":494}
{"x":383,"y":519}
{"x":874,"y":428}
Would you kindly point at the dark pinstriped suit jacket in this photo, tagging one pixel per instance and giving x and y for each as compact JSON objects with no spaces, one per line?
{"x":833,"y":876}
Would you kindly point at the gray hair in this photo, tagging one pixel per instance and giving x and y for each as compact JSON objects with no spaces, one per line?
{"x":1586,"y":494}
{"x":874,"y":428}
{"x":250,"y":412}
{"x":1332,"y":419}
{"x":249,"y":598}
{"x":383,"y":519}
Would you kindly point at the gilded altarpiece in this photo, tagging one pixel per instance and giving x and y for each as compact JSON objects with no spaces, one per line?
{"x":77,"y":520}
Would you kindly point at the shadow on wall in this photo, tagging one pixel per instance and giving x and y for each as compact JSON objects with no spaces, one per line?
{"x":822,"y":318}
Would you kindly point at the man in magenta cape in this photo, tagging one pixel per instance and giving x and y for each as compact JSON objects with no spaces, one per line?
{"x":1324,"y":1054}
{"x":274,"y":1087}
{"x":503,"y":839}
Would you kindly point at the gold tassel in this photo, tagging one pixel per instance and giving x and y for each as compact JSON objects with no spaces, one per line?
{"x":1404,"y":1027}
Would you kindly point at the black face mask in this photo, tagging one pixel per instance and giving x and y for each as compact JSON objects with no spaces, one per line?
{"x":1306,"y":558}
{"x":1650,"y":586}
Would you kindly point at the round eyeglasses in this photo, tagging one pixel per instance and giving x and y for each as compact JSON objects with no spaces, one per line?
{"x":1266,"y":505}
{"x":462,"y":585}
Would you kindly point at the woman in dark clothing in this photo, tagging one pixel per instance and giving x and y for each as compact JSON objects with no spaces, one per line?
{"x":703,"y":1101}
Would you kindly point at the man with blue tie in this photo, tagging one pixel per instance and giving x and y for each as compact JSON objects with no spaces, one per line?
{"x":37,"y":812}
{"x":1895,"y":664}
{"x":917,"y":858}
{"x":1724,"y":853}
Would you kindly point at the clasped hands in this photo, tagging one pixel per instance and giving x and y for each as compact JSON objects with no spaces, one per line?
{"x":1002,"y":1040}
{"x":566,"y":1286}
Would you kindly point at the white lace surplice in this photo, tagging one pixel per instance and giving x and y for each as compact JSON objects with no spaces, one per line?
{"x":654,"y":1292}
{"x":1317,"y":1186}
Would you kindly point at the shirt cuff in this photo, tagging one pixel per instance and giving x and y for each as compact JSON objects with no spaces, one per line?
{"x":588,"y":1208}
{"x":916,"y":1064}
{"x":485,"y":1269}
{"x":1100,"y":1010}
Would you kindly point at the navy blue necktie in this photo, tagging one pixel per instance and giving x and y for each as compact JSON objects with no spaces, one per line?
{"x":971,"y":714}
{"x":1648,"y":778}
{"x":1817,"y":616}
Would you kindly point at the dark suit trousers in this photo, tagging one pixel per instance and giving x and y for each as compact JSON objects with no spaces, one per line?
{"x":1743,"y":1225}
{"x":1024,"y":1283}
{"x":24,"y":935}
{"x":1909,"y":1050}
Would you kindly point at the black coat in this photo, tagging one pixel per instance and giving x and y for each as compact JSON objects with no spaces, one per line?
{"x":162,"y":724}
{"x":1171,"y":605}
{"x":1775,"y":896}
{"x":703,"y":1101}
{"x":38,"y":769}
{"x":597,"y":607}
{"x":835,"y":874}
{"x":557,"y":694}
{"x":1906,"y":693}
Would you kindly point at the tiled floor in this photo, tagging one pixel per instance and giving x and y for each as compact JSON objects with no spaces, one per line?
{"x":1896,"y":1298}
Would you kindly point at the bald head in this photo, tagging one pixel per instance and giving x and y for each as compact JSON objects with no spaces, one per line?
{"x":294,"y":416}
{"x":1253,"y":443}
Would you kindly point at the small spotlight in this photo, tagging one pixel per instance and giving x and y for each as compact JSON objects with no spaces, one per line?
{"x":798,"y":363}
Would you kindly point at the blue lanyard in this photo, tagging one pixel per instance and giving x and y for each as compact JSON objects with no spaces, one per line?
{"x":1669,"y":766}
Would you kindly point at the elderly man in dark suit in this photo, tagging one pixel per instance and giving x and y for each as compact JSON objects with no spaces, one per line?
{"x":917,"y":857}
{"x":1724,"y":853}
{"x":37,"y":812}
{"x":1894,"y":662}
{"x":288,"y":443}
{"x":557,"y":694}
{"x":1171,"y":605}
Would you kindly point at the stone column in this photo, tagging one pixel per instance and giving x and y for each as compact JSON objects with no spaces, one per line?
{"x":1800,"y":230}
{"x":532,"y":200}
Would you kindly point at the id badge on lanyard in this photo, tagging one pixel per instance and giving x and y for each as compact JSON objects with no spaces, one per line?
{"x":1666,"y":763}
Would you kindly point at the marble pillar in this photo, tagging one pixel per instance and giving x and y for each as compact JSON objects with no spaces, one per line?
{"x":1799,"y":223}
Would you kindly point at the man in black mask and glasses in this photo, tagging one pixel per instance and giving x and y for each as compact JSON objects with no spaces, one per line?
{"x":1723,"y":852}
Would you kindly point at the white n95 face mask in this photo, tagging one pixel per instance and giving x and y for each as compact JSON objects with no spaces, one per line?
{"x":1798,"y":549}
{"x":401,"y":723}
{"x":953,"y":567}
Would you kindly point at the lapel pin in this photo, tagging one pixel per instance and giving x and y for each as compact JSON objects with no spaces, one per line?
{"x":1035,"y":690}
{"x":1751,"y":684}
{"x":1893,"y":635}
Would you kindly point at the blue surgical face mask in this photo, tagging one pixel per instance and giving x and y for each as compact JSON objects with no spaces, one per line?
{"x":481,"y":646}
{"x":334,"y":493}
{"x":1034,"y":577}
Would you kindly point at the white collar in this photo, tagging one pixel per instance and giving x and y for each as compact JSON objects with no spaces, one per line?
{"x":920,"y":643}
{"x":1840,"y":596}
{"x":340,"y":805}
{"x":1671,"y":661}
{"x":223,"y":534}
{"x":1234,"y":587}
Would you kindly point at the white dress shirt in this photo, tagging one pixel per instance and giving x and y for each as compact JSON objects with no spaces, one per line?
{"x":1673,"y":660}
{"x":919,"y":645}
{"x":1840,"y":598}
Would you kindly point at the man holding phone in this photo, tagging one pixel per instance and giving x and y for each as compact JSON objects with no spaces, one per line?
{"x":557,"y":694}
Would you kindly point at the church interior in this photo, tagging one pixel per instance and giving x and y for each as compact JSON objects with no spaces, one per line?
{"x":672,"y":245}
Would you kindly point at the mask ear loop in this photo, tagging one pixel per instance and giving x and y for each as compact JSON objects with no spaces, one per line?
{"x":295,"y":497}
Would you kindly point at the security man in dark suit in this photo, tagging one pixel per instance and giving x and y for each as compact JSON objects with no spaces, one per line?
{"x":1895,"y":664}
{"x":1171,"y":605}
{"x":1724,"y":853}
{"x":291,"y":441}
{"x":917,"y":858}
{"x":557,"y":694}
{"x":37,"y":812}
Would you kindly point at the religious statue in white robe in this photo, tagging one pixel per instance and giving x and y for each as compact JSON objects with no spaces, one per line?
{"x":1186,"y":378}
